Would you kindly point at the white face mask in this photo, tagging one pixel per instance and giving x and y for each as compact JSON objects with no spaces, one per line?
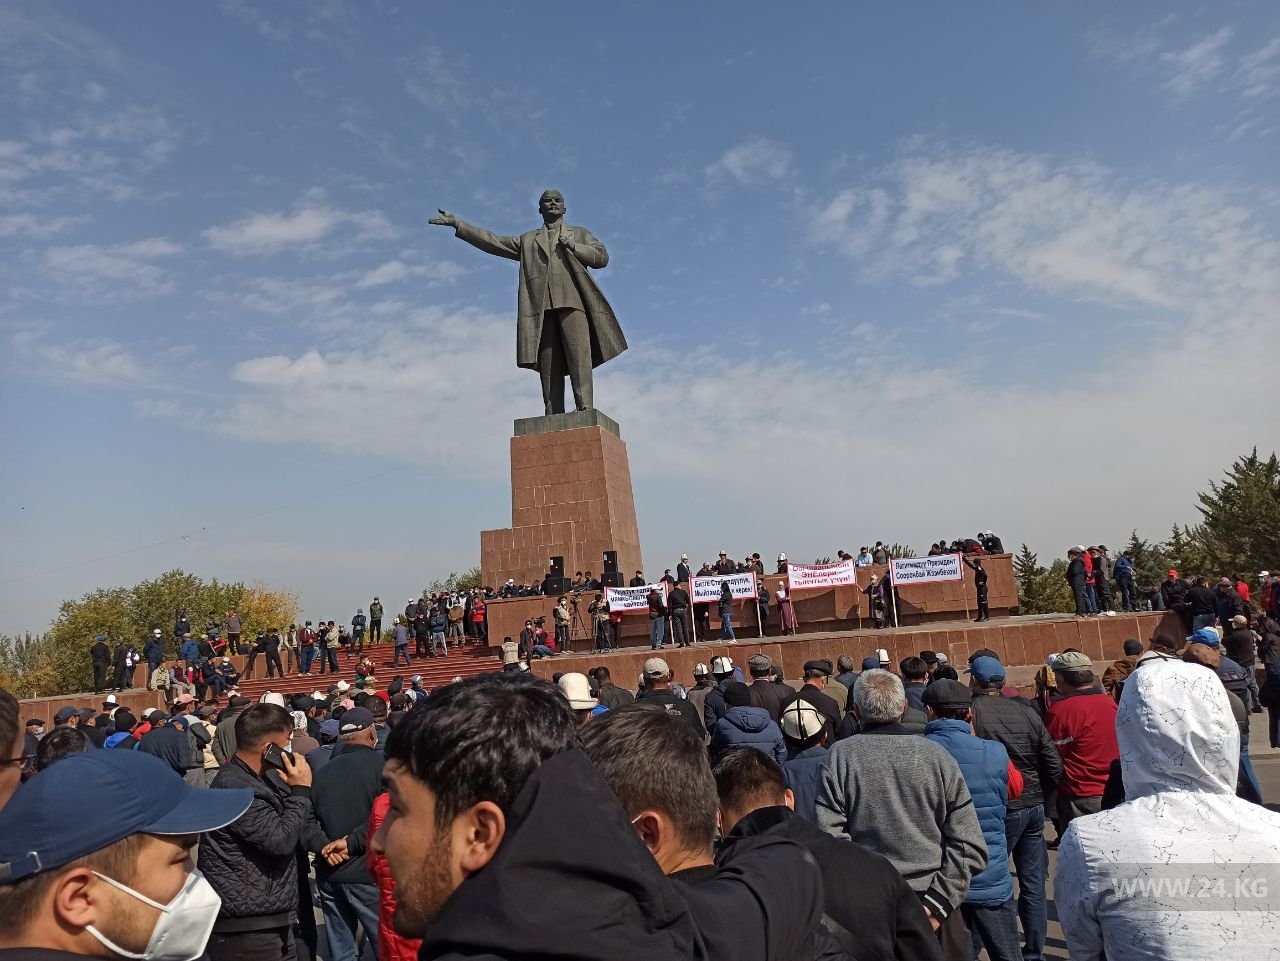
{"x":184,"y":926}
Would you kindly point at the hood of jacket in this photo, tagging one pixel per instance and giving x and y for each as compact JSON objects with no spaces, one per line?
{"x":567,"y":834}
{"x":1176,"y":731}
{"x":752,"y":720}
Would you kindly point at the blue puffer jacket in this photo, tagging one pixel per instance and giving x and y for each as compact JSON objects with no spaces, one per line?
{"x":749,"y":727}
{"x":985,"y":766}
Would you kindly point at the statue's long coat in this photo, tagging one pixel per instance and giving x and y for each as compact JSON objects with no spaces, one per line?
{"x":531,"y":250}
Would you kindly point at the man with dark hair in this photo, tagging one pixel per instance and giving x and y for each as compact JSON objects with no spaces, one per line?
{"x":745,"y":725}
{"x":253,"y":862}
{"x":1113,"y":677}
{"x":992,"y":780}
{"x":915,"y":678}
{"x":1017,"y":725}
{"x":764,"y":692}
{"x":490,"y":796}
{"x":342,"y":798}
{"x":609,"y":694}
{"x":13,"y":754}
{"x":868,"y":908}
{"x":112,"y":878}
{"x":759,"y":900}
{"x":845,"y":673}
{"x":61,"y":743}
{"x":1083,"y":726}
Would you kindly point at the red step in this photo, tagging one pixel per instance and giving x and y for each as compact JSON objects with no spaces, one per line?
{"x":460,"y":662}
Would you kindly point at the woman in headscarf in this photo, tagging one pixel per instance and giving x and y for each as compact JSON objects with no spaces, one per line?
{"x":303,"y":743}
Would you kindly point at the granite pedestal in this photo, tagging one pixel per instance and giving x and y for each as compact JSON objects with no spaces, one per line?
{"x":570,"y":496}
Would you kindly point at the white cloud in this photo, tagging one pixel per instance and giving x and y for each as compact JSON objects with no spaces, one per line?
{"x":1258,"y":74}
{"x":1064,"y":227}
{"x":393,"y":271}
{"x":752,"y":163}
{"x":121,"y":265}
{"x":1196,"y":65}
{"x":36,"y":226}
{"x":304,"y":227}
{"x":96,"y":362}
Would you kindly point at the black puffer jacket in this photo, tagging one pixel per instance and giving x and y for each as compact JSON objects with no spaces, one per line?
{"x":1016,"y":725}
{"x":252,"y":862}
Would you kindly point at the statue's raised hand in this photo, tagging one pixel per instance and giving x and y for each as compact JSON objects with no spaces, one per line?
{"x":445,"y":219}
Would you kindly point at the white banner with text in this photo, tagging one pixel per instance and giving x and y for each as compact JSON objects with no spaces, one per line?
{"x":801,"y":577}
{"x":624,"y":600}
{"x":918,"y":570}
{"x":706,"y":590}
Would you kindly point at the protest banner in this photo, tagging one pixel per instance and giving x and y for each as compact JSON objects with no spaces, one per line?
{"x":920,"y":570}
{"x":625,"y":600}
{"x":706,"y":590}
{"x":801,"y":577}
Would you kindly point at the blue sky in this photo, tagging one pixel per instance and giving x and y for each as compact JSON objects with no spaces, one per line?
{"x":888,"y":271}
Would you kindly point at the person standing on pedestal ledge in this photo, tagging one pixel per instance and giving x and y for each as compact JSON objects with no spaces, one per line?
{"x":565,"y":327}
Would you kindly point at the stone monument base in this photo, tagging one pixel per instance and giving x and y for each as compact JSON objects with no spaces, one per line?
{"x":570,"y":496}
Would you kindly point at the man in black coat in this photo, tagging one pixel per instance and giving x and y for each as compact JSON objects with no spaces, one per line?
{"x":765,"y":692}
{"x":1077,"y":577}
{"x":678,"y":604}
{"x":252,"y":863}
{"x":342,"y":798}
{"x":100,"y":657}
{"x":867,"y":907}
{"x":552,"y":859}
{"x":1016,"y":724}
{"x":756,"y":901}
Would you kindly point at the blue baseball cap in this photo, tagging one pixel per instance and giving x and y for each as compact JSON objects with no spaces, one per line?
{"x":48,"y":824}
{"x":1206,"y":635}
{"x":871,"y":662}
{"x":986,"y":669}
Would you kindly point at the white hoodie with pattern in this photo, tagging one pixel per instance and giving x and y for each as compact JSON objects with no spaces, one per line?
{"x":1183,"y":869}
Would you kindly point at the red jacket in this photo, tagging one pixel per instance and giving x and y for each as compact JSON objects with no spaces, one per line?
{"x":1083,"y":725}
{"x":391,"y":946}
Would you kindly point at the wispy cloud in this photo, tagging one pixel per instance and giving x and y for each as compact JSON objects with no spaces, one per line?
{"x":37,"y":227}
{"x":98,"y":362}
{"x":752,"y":163}
{"x":1222,"y":61}
{"x":312,"y":221}
{"x":130,"y":266}
{"x":1066,"y":227}
{"x":1195,"y":66}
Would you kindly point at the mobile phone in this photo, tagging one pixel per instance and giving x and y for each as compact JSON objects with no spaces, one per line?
{"x":274,"y":757}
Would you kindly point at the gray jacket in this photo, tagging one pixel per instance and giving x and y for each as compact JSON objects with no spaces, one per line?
{"x":904,"y":797}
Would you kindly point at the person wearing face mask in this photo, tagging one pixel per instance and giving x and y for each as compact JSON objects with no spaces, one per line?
{"x":252,"y":863}
{"x":114,"y":879}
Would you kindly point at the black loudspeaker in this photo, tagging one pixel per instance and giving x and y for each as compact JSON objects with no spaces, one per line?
{"x":612,"y":578}
{"x":555,"y":586}
{"x":557,"y":566}
{"x":611,"y":563}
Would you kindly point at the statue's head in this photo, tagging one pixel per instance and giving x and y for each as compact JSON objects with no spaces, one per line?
{"x":551,"y":203}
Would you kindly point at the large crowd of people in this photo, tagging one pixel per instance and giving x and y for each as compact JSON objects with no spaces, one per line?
{"x":870,"y":811}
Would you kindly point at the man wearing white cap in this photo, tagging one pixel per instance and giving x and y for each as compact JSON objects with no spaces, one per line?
{"x":682,"y":570}
{"x":577,"y":691}
{"x":713,"y":705}
{"x":805,"y":735}
{"x":724,"y":565}
{"x":697,"y":695}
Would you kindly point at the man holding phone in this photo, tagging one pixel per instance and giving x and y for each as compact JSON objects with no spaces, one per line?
{"x":252,"y":862}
